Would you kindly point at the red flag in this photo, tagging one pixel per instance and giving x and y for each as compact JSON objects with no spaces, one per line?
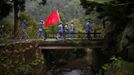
{"x":52,"y":19}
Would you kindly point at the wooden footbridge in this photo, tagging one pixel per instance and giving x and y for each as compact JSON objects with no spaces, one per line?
{"x":78,"y":41}
{"x":58,"y":53}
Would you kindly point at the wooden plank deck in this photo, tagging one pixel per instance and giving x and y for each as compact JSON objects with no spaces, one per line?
{"x":65,"y":47}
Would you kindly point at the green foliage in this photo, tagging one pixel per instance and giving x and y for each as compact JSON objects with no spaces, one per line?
{"x":127,"y":68}
{"x":32,"y":26}
{"x":37,"y":61}
{"x":119,"y":66}
{"x":62,"y":17}
{"x":79,"y":27}
{"x":17,"y":59}
{"x":23,"y":16}
{"x":24,"y":69}
{"x":105,"y":67}
{"x":52,"y":29}
{"x":126,"y":42}
{"x":70,"y":9}
{"x":131,"y":52}
{"x":5,"y":29}
{"x":117,"y":19}
{"x":115,"y":65}
{"x":7,"y":5}
{"x":28,"y":18}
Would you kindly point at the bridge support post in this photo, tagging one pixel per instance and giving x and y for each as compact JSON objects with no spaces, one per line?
{"x":95,"y":34}
{"x":89,"y":55}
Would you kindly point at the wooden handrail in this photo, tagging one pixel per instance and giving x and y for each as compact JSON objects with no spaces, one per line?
{"x":76,"y":35}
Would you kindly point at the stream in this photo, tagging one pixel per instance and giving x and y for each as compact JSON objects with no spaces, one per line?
{"x":86,"y":71}
{"x":71,"y":64}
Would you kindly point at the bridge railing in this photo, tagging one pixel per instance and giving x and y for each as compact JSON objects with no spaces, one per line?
{"x":75,"y":35}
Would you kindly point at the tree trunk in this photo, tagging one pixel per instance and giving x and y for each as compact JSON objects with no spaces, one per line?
{"x":15,"y":18}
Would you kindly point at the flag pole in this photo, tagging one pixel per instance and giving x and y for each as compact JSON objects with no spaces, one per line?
{"x":58,"y":15}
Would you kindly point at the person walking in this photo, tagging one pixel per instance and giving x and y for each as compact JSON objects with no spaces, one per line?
{"x":65,"y":30}
{"x":88,"y":28}
{"x":60,"y":31}
{"x":40,"y":30}
{"x":72,"y":30}
{"x":24,"y":33}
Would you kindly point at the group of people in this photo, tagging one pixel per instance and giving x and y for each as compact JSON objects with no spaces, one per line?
{"x":63,"y":30}
{"x":40,"y":33}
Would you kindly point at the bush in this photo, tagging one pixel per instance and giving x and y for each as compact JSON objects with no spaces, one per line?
{"x":6,"y":29}
{"x":32,"y":25}
{"x":79,"y":27}
{"x":24,"y":69}
{"x":116,"y":64}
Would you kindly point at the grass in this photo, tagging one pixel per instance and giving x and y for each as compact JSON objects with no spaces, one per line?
{"x":127,"y":68}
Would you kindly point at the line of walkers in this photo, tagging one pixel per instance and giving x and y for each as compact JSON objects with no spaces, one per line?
{"x":63,"y":30}
{"x":40,"y":33}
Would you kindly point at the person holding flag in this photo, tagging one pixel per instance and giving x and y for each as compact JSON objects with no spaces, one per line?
{"x":53,"y":18}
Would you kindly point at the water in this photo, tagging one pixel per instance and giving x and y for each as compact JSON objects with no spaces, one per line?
{"x":82,"y":71}
{"x":73,"y":64}
{"x":73,"y":72}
